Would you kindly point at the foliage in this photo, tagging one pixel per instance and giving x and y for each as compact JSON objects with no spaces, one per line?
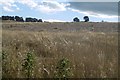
{"x":28,"y":64}
{"x":76,"y":19}
{"x":86,"y":18}
{"x":4,"y":62}
{"x":4,"y":55}
{"x":63,"y":69}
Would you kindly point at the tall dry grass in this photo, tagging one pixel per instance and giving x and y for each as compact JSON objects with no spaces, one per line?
{"x":92,"y":54}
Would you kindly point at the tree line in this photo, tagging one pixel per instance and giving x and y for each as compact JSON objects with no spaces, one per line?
{"x":30,"y":19}
{"x":20,"y":19}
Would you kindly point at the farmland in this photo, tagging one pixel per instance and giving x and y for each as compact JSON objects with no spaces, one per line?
{"x":90,"y":47}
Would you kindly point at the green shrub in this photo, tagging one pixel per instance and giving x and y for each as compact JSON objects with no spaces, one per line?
{"x":63,"y":69}
{"x":4,"y":63}
{"x":4,"y":55}
{"x":28,"y":64}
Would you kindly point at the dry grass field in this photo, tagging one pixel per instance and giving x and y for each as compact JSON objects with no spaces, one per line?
{"x":91,"y":48}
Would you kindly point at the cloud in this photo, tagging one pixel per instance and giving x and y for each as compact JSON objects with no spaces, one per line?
{"x":9,"y":5}
{"x":30,"y":3}
{"x":46,"y":6}
{"x":51,"y":6}
{"x":93,"y":0}
{"x":96,"y":9}
{"x":93,"y":14}
{"x":7,"y":9}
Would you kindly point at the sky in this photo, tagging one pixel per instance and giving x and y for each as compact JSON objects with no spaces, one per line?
{"x":62,"y":10}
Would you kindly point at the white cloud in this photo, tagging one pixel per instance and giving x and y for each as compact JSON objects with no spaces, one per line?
{"x":46,"y":6}
{"x":5,"y":8}
{"x":9,"y":5}
{"x":30,"y":3}
{"x":18,"y":8}
{"x":51,"y":6}
{"x":93,"y":14}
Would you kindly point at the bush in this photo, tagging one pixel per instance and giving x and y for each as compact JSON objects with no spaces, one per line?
{"x":28,"y":64}
{"x":63,"y":69}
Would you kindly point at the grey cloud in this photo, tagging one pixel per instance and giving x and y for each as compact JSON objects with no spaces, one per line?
{"x":93,"y":0}
{"x":108,"y":8}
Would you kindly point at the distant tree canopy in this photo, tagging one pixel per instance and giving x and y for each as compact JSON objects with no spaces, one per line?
{"x":102,"y":21}
{"x":76,"y":19}
{"x":33,"y":20}
{"x":20,"y":19}
{"x":40,"y":20}
{"x":7,"y":17}
{"x":86,"y":18}
{"x":30,"y":19}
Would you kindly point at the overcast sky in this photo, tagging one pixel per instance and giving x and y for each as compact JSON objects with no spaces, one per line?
{"x":62,"y":10}
{"x":92,"y":0}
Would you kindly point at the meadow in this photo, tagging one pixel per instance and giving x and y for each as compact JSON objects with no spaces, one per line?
{"x":89,"y":50}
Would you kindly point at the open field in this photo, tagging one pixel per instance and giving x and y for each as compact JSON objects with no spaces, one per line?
{"x":91,"y":48}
